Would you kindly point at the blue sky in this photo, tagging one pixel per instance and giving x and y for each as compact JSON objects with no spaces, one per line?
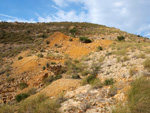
{"x":132,"y":16}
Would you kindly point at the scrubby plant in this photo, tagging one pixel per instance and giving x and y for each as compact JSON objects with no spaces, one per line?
{"x":70,"y":39}
{"x":92,"y":80}
{"x":32,"y":91}
{"x":40,"y":55}
{"x":109,"y":81}
{"x":99,"y":48}
{"x":48,"y":80}
{"x":146,"y":64}
{"x":85,"y":40}
{"x":39,"y":104}
{"x":21,"y":97}
{"x":23,"y":85}
{"x":75,"y":76}
{"x":47,"y":42}
{"x":44,"y":67}
{"x":139,"y":99}
{"x":141,"y":55}
{"x":132,"y":71}
{"x":9,"y":79}
{"x":53,"y":63}
{"x":120,"y":38}
{"x":113,"y":90}
{"x":19,"y":58}
{"x":73,"y":31}
{"x":47,"y":65}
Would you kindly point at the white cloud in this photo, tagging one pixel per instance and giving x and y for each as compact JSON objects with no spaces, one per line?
{"x":13,"y":19}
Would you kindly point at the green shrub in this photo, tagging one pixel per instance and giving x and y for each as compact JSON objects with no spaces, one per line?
{"x":48,"y":80}
{"x":139,"y":96}
{"x":19,"y":58}
{"x":32,"y":91}
{"x":47,"y":42}
{"x":113,"y":90}
{"x":132,"y":71}
{"x":142,"y":55}
{"x":6,"y":108}
{"x":73,"y":31}
{"x":23,"y":85}
{"x":39,"y":104}
{"x":109,"y":81}
{"x":146,"y":64}
{"x":47,"y":65}
{"x":120,"y":38}
{"x":75,"y":76}
{"x":40,"y":55}
{"x":99,"y":48}
{"x":92,"y":80}
{"x":53,"y":63}
{"x":21,"y":97}
{"x":70,"y":39}
{"x":44,"y":67}
{"x":85,"y":40}
{"x":9,"y":79}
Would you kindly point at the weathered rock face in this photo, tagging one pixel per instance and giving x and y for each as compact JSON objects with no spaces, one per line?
{"x":86,"y":99}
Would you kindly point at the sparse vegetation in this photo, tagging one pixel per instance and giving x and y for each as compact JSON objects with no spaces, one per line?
{"x":23,"y":85}
{"x":92,"y":80}
{"x":19,"y":58}
{"x":146,"y":64}
{"x":47,"y":42}
{"x":48,"y":80}
{"x":120,"y":38}
{"x":109,"y":81}
{"x":85,"y":40}
{"x":75,"y":76}
{"x":21,"y":97}
{"x":40,"y":55}
{"x":99,"y":48}
{"x":9,"y":79}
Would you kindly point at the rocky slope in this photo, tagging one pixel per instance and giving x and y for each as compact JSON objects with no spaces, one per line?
{"x":59,"y":67}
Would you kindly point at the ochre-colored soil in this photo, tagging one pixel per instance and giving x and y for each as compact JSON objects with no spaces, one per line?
{"x":60,"y":86}
{"x":75,"y":48}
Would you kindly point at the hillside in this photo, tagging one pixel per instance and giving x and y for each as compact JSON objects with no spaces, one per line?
{"x":72,"y":68}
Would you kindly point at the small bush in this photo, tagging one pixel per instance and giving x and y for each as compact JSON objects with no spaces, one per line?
{"x":48,"y":80}
{"x":99,"y":48}
{"x":146,"y":64}
{"x":7,"y":108}
{"x":53,"y":63}
{"x":9,"y":79}
{"x":39,"y":104}
{"x":92,"y":80}
{"x":142,"y":55}
{"x":21,"y":97}
{"x":120,"y":38}
{"x":85,"y":40}
{"x":19,"y":58}
{"x":40,"y":55}
{"x":113,"y":90}
{"x":47,"y":42}
{"x":44,"y":67}
{"x":23,"y":85}
{"x":47,"y":65}
{"x":139,"y":99}
{"x":109,"y":81}
{"x":31,"y":91}
{"x":70,"y":39}
{"x":75,"y":76}
{"x":125,"y":58}
{"x":132,"y":71}
{"x":73,"y":31}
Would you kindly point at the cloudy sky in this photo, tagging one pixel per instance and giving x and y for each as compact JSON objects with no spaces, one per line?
{"x":132,"y":16}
